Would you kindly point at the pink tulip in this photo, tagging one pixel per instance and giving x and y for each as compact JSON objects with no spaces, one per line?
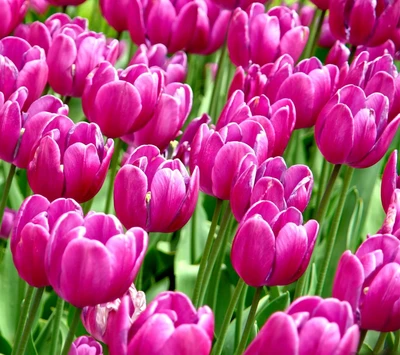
{"x":338,"y":55}
{"x":390,"y":180}
{"x":39,"y":6}
{"x":7,"y":223}
{"x":85,"y":345}
{"x":163,"y":195}
{"x":391,"y":224}
{"x":171,"y":325}
{"x":251,"y":83}
{"x":91,"y":260}
{"x":271,"y":181}
{"x":12,"y":12}
{"x":74,"y":157}
{"x":260,"y":38}
{"x":311,"y":325}
{"x":387,"y":47}
{"x":322,"y":4}
{"x":22,"y":65}
{"x":353,"y":129}
{"x":116,"y":13}
{"x":66,"y":2}
{"x":272,"y":248}
{"x":34,"y":223}
{"x":370,"y":281}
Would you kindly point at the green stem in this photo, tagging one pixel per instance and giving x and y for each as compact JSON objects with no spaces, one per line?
{"x":324,"y":173}
{"x":193,"y":237}
{"x":363,"y":334}
{"x":307,"y":49}
{"x":318,"y":31}
{"x":20,"y":348}
{"x":87,"y":206}
{"x":249,"y":322}
{"x":23,"y":315}
{"x":6,"y":190}
{"x":239,"y":316}
{"x":380,"y":343}
{"x":139,"y":278}
{"x":214,"y":254}
{"x":114,"y":166}
{"x":334,"y":229}
{"x":207,"y":249}
{"x":56,"y":326}
{"x":228,"y":316}
{"x":300,"y":286}
{"x":71,"y":333}
{"x":396,"y":341}
{"x":66,"y":100}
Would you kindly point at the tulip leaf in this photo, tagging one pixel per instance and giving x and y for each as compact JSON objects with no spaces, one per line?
{"x":185,"y":277}
{"x":157,"y":288}
{"x":278,"y":304}
{"x":5,"y":347}
{"x":30,"y":347}
{"x":313,"y":279}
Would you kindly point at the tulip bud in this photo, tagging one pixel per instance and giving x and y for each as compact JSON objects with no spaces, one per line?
{"x":74,"y":157}
{"x":66,"y":2}
{"x":85,"y":345}
{"x":251,"y":84}
{"x":311,"y":325}
{"x":7,"y":223}
{"x":22,"y":65}
{"x":321,"y":4}
{"x":91,"y":260}
{"x":391,"y":224}
{"x":12,"y":14}
{"x":170,"y":324}
{"x":353,"y":129}
{"x":370,"y":281}
{"x":116,"y":13}
{"x":39,"y":6}
{"x":272,"y":248}
{"x":338,"y":54}
{"x":163,"y":197}
{"x":34,"y":222}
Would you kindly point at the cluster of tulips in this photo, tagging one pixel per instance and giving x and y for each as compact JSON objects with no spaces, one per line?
{"x":206,"y":178}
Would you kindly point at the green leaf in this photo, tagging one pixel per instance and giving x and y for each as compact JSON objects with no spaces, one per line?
{"x":278,"y":304}
{"x":30,"y":346}
{"x":185,"y":277}
{"x":157,"y":288}
{"x":5,"y":347}
{"x":313,"y":280}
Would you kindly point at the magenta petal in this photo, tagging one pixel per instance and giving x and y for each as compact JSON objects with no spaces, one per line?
{"x":238,"y":38}
{"x":349,"y":342}
{"x":186,"y":338}
{"x":294,"y":41}
{"x":10,"y":128}
{"x":269,"y":189}
{"x":160,"y":21}
{"x":253,"y":251}
{"x":389,"y":180}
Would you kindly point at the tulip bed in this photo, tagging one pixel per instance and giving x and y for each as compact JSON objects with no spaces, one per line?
{"x":199,"y":177}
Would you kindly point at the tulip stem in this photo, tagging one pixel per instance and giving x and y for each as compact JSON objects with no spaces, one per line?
{"x":334,"y":229}
{"x":239,"y":316}
{"x":21,"y":346}
{"x":23,"y":315}
{"x":249,"y":322}
{"x":193,"y":237}
{"x":228,"y":316}
{"x":114,"y":165}
{"x":6,"y":190}
{"x":216,"y":248}
{"x":324,"y":173}
{"x":71,"y":333}
{"x":317,"y":31}
{"x":206,"y":253}
{"x":56,"y":326}
{"x":380,"y":343}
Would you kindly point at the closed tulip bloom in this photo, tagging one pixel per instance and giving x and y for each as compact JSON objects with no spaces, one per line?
{"x":12,"y":13}
{"x":20,"y":131}
{"x":22,"y":65}
{"x":272,"y":248}
{"x":7,"y":223}
{"x":74,"y":157}
{"x":390,"y":180}
{"x":155,"y":57}
{"x":311,"y":325}
{"x":338,"y":54}
{"x":353,"y":129}
{"x":219,"y":154}
{"x":121,"y":104}
{"x":370,"y":281}
{"x":85,"y":345}
{"x":33,"y":225}
{"x":391,"y":224}
{"x":170,"y":114}
{"x":39,"y":6}
{"x":91,"y":260}
{"x":154,"y":193}
{"x":110,"y":322}
{"x":66,"y":2}
{"x":171,"y":325}
{"x":322,"y":4}
{"x":116,"y":13}
{"x":260,"y":38}
{"x":251,"y":83}
{"x":271,"y":181}
{"x":364,"y":21}
{"x":81,"y":52}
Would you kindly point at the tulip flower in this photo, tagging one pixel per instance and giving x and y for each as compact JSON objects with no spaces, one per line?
{"x":85,"y":345}
{"x":7,"y":223}
{"x":66,"y":2}
{"x":387,"y":47}
{"x":39,"y":6}
{"x":370,"y":281}
{"x":34,"y":222}
{"x":110,"y":323}
{"x":322,"y":4}
{"x":196,"y":26}
{"x":271,"y":181}
{"x":311,"y":325}
{"x":20,"y":131}
{"x":155,"y":57}
{"x":12,"y":14}
{"x":121,"y":104}
{"x":390,"y":180}
{"x":272,"y":248}
{"x":81,"y":51}
{"x":251,"y":84}
{"x":391,"y":224}
{"x":22,"y":65}
{"x":218,"y":154}
{"x":170,"y":324}
{"x":116,"y":13}
{"x":91,"y":260}
{"x":74,"y":157}
{"x":260,"y":38}
{"x":352,"y":129}
{"x":338,"y":55}
{"x":154,"y":193}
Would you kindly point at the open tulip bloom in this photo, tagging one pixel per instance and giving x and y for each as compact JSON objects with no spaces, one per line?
{"x":199,"y":177}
